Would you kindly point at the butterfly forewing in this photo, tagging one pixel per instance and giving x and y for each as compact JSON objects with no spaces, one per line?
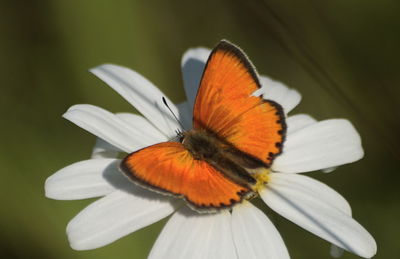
{"x":226,"y":107}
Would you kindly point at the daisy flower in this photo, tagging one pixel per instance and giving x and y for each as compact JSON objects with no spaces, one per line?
{"x":241,"y":232}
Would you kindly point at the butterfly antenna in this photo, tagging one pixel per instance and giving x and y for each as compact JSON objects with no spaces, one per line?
{"x":173,"y":114}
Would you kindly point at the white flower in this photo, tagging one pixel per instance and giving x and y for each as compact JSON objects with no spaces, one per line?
{"x":243,"y":232}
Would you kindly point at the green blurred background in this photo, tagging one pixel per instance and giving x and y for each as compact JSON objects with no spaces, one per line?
{"x":343,"y":56}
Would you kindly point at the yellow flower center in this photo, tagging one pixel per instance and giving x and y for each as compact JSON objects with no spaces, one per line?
{"x":262,"y":177}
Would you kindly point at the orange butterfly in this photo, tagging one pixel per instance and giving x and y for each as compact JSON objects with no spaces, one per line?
{"x":235,"y":137}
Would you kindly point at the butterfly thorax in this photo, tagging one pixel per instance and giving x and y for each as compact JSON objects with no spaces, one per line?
{"x":223,"y":156}
{"x":202,"y":145}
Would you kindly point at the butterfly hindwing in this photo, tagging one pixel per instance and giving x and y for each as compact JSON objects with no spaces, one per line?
{"x":226,"y":107}
{"x":169,"y":168}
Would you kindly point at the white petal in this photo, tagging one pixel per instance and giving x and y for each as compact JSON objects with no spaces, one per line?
{"x":185,"y":115}
{"x":329,"y":169}
{"x":142,"y":94}
{"x":336,"y":251}
{"x":143,"y":126}
{"x":280,"y":93}
{"x":114,"y":216}
{"x":321,"y":145}
{"x":109,"y":127}
{"x":103,"y":149}
{"x":85,"y":179}
{"x":312,"y":187}
{"x":298,"y":121}
{"x":312,"y":206}
{"x":189,"y":234}
{"x":254,"y":234}
{"x":193,"y":63}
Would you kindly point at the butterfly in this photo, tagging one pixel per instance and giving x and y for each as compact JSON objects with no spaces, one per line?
{"x":235,"y":137}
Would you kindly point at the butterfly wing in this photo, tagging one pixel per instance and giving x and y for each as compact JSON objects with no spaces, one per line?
{"x":170,"y":169}
{"x":225,"y":105}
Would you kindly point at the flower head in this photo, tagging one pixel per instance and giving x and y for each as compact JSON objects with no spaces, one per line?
{"x":242,"y":232}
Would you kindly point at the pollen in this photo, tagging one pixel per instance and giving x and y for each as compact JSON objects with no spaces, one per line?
{"x":262,"y":177}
